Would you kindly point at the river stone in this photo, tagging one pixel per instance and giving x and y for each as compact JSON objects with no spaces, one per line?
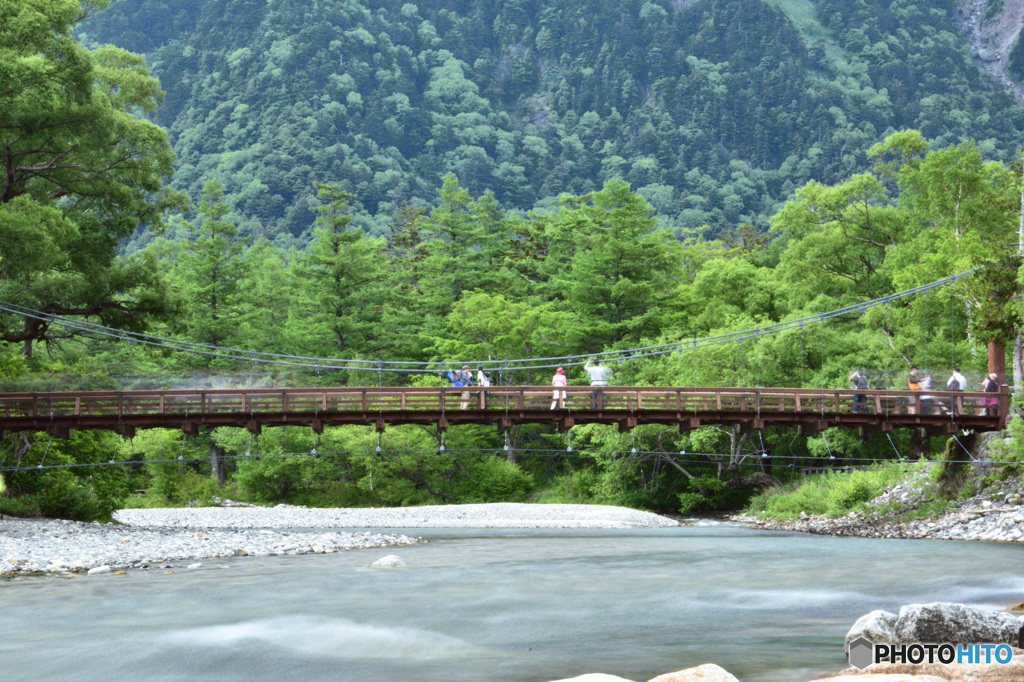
{"x":99,"y":569}
{"x":878,"y":627}
{"x":956,"y":624}
{"x":389,"y":561}
{"x":709,"y":672}
{"x":876,"y":677}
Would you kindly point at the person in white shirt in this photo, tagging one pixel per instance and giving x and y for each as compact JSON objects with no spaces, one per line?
{"x":483,"y":380}
{"x":957,"y":382}
{"x":600,"y":375}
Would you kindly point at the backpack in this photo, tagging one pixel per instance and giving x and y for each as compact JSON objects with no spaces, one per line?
{"x":860,"y":381}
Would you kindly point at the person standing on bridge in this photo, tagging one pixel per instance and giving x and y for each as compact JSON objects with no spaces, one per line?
{"x":559,"y":381}
{"x":957,"y":382}
{"x":460,"y":379}
{"x":483,"y":380}
{"x":927,"y":398}
{"x":991,"y":385}
{"x":860,"y":400}
{"x":913,"y":384}
{"x":600,"y":375}
{"x":465,"y":379}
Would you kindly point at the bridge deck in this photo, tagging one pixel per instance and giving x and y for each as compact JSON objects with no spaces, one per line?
{"x":810,"y":410}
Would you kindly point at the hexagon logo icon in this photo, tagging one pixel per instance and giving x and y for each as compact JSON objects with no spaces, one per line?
{"x":862,"y":653}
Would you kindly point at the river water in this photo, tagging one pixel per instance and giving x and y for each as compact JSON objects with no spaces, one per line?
{"x":489,"y":605}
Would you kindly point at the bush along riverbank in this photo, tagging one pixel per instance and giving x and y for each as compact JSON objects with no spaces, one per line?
{"x":946,"y":498}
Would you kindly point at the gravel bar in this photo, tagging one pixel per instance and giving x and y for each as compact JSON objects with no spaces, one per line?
{"x":164,"y":538}
{"x":503,"y":515}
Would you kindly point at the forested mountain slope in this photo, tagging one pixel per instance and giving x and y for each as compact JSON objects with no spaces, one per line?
{"x":714,"y":110}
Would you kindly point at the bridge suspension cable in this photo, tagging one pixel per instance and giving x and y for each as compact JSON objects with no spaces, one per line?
{"x":416,"y":367}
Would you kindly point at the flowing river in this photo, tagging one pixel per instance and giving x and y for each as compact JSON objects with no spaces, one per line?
{"x":479,"y":605}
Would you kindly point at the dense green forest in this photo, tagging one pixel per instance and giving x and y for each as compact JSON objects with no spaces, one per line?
{"x":462,"y":277}
{"x":714,"y":111}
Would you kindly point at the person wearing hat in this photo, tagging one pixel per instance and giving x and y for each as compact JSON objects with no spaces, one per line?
{"x":991,"y":385}
{"x":559,"y":381}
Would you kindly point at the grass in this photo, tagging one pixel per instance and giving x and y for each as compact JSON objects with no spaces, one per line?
{"x":832,"y":494}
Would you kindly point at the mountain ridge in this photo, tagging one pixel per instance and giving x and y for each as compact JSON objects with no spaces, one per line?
{"x":714,"y":110}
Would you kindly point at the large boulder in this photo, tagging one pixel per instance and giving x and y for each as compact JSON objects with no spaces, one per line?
{"x":878,"y":627}
{"x":956,"y":624}
{"x":709,"y":672}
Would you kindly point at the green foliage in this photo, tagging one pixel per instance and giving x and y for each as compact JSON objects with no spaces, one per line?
{"x":493,"y":479}
{"x":270,"y":479}
{"x":82,"y":171}
{"x":209,"y":269}
{"x":1015,"y":60}
{"x":713,"y":111}
{"x":329,"y":125}
{"x":993,"y":8}
{"x":833,"y":494}
{"x":576,"y":487}
{"x":89,"y":493}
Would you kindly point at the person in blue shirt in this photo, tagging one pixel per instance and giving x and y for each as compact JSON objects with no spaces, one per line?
{"x":461,"y":378}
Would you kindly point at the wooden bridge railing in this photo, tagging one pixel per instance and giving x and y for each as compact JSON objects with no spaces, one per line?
{"x":254,"y":407}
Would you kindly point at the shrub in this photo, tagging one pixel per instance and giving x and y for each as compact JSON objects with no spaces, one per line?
{"x":831,"y":493}
{"x":495,"y":479}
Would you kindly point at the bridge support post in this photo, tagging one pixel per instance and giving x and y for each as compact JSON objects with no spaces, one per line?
{"x":190,"y":428}
{"x":688,"y":425}
{"x":126,"y":430}
{"x":380,"y":426}
{"x":565,"y":423}
{"x":254,"y":427}
{"x":627,"y":424}
{"x":58,"y":431}
{"x":883,"y":427}
{"x":811,"y":428}
{"x":751,"y":425}
{"x":318,"y":426}
{"x":943,"y":430}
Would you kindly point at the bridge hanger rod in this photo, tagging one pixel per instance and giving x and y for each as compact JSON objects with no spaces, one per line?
{"x":415,"y":367}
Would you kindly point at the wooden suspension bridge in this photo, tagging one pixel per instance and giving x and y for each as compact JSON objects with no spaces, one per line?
{"x":808,"y":410}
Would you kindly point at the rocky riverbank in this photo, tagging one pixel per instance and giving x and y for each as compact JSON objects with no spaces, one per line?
{"x":164,"y":538}
{"x":46,"y":546}
{"x":995,"y":515}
